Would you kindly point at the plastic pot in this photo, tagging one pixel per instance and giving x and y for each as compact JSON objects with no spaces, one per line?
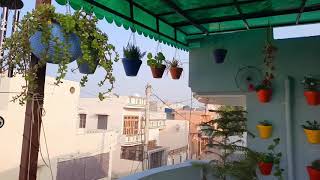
{"x":84,"y":68}
{"x":313,"y":136}
{"x":264,"y":131}
{"x":176,"y":72}
{"x":131,"y":66}
{"x":265,"y":168}
{"x":38,"y":48}
{"x":220,"y":55}
{"x":157,"y":72}
{"x":314,"y":174}
{"x":264,"y":95}
{"x":312,"y":97}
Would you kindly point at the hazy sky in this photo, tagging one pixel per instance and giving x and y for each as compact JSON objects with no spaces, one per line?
{"x":166,"y":88}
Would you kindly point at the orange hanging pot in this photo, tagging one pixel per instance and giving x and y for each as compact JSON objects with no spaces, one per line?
{"x":264,"y":95}
{"x":157,"y":72}
{"x":176,"y":72}
{"x":312,"y":97}
{"x":313,"y":136}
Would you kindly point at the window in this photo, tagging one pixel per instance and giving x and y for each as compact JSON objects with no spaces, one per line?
{"x":102,"y":122}
{"x":131,"y":125}
{"x":82,"y":122}
{"x":133,"y":153}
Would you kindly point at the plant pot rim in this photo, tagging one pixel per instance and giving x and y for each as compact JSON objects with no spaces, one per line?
{"x":310,"y":167}
{"x":264,"y":90}
{"x":311,"y":91}
{"x":176,"y":68}
{"x":264,"y":125}
{"x":157,"y":67}
{"x":124,"y":58}
{"x":265,"y":162}
{"x":312,"y":129}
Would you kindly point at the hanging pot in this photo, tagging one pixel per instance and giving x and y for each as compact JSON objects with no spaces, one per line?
{"x":264,"y":131}
{"x":265,"y":168}
{"x":312,"y":97}
{"x":85,"y":68}
{"x":264,"y":95}
{"x":314,"y":174}
{"x":176,"y":72}
{"x":313,"y":136}
{"x":219,"y":55}
{"x":38,"y":48}
{"x":131,"y":66}
{"x":11,"y":4}
{"x":157,"y":72}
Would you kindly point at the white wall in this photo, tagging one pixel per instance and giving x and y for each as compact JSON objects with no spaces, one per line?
{"x":60,"y":122}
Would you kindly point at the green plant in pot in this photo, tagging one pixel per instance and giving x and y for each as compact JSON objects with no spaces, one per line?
{"x":175,"y":67}
{"x":312,"y":131}
{"x":264,"y":91}
{"x":157,"y":64}
{"x":314,"y":170}
{"x":270,"y":159}
{"x":60,"y":39}
{"x":311,"y":91}
{"x":265,"y":129}
{"x":132,"y":59}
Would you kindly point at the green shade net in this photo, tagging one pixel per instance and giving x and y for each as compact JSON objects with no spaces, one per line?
{"x":215,"y":16}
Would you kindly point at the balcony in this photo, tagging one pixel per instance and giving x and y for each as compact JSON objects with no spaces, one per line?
{"x":183,"y":171}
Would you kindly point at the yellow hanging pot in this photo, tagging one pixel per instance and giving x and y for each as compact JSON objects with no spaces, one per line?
{"x":313,"y":136}
{"x":264,"y":131}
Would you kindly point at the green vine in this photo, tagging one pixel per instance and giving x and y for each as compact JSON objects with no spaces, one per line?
{"x":95,"y":47}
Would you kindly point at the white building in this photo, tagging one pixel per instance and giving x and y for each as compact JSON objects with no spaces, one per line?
{"x":74,"y":153}
{"x":168,"y":139}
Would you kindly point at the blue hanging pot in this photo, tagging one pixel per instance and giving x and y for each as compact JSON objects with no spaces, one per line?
{"x":131,"y":66}
{"x":220,"y":55}
{"x":85,"y":68}
{"x":38,"y":48}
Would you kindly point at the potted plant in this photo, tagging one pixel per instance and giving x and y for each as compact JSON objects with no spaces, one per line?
{"x":220,"y":55}
{"x":264,"y":91}
{"x":311,"y":92}
{"x":132,"y":59}
{"x":60,"y":39}
{"x":314,"y":170}
{"x":266,"y":161}
{"x":312,"y":131}
{"x":265,"y":129}
{"x":156,"y":64}
{"x":175,"y":68}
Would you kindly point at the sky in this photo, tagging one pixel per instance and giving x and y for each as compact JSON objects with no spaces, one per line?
{"x":166,"y":88}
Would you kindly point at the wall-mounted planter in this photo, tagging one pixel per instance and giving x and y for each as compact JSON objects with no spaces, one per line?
{"x":176,"y":72}
{"x":264,"y":95}
{"x":219,"y":55}
{"x":265,"y":168}
{"x":313,"y":136}
{"x":157,"y":72}
{"x":265,"y":132}
{"x":38,"y":48}
{"x":131,"y":66}
{"x":314,"y":174}
{"x":312,"y":97}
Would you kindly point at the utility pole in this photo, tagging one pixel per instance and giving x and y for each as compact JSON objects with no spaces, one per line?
{"x":32,"y":124}
{"x":146,"y":128}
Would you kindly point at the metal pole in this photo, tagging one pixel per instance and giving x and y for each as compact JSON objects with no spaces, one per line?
{"x":32,"y":124}
{"x":146,"y":128}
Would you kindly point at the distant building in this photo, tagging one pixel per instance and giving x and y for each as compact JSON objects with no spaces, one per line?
{"x":75,"y":153}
